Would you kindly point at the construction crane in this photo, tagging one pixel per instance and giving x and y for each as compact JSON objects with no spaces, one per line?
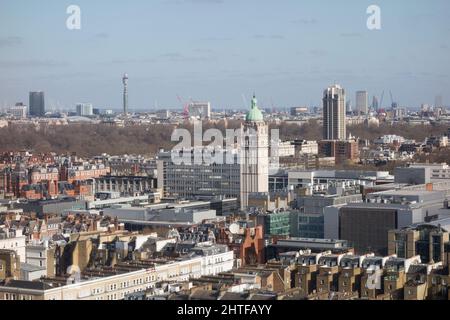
{"x":185,"y":107}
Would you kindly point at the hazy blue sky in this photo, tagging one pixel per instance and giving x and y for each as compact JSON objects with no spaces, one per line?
{"x":287,"y":51}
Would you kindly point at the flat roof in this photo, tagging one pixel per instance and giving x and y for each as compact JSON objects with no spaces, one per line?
{"x":313,"y":240}
{"x":407,"y":192}
{"x":31,"y":267}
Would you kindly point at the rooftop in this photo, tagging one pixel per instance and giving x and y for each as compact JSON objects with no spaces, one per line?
{"x":29,"y":285}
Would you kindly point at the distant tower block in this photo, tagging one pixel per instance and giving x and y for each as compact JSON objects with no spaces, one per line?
{"x":334,"y":119}
{"x":125,"y":94}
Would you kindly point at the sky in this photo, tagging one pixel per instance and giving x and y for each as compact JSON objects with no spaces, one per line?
{"x":223,"y":51}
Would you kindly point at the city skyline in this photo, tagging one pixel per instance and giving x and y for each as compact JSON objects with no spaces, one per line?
{"x":224,"y":151}
{"x":278,"y":53}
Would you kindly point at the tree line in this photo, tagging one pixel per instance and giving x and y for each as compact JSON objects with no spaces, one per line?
{"x":94,"y":139}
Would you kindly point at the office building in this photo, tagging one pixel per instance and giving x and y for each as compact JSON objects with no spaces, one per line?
{"x":125,"y":185}
{"x":334,"y":126}
{"x":305,"y":147}
{"x":362,"y":102}
{"x":281,"y":223}
{"x":366,"y":225}
{"x":200,"y":110}
{"x":84,"y":110}
{"x":37,"y":104}
{"x":311,"y":212}
{"x":299,"y":111}
{"x":188,"y":180}
{"x":317,"y":180}
{"x":434,"y":171}
{"x":19,"y":111}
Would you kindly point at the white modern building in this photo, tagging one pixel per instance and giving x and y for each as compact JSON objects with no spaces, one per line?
{"x":85,"y":109}
{"x":286,"y":149}
{"x":389,"y":139}
{"x":189,"y":179}
{"x":19,"y":111}
{"x":437,"y":170}
{"x":200,"y":110}
{"x":340,"y":178}
{"x":362,"y":102}
{"x":303,"y":147}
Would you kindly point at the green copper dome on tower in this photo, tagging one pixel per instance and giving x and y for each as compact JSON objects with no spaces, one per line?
{"x":254,"y":115}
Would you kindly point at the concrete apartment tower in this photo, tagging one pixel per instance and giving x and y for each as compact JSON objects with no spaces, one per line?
{"x":362,"y":102}
{"x":334,"y":126}
{"x":254,"y":155}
